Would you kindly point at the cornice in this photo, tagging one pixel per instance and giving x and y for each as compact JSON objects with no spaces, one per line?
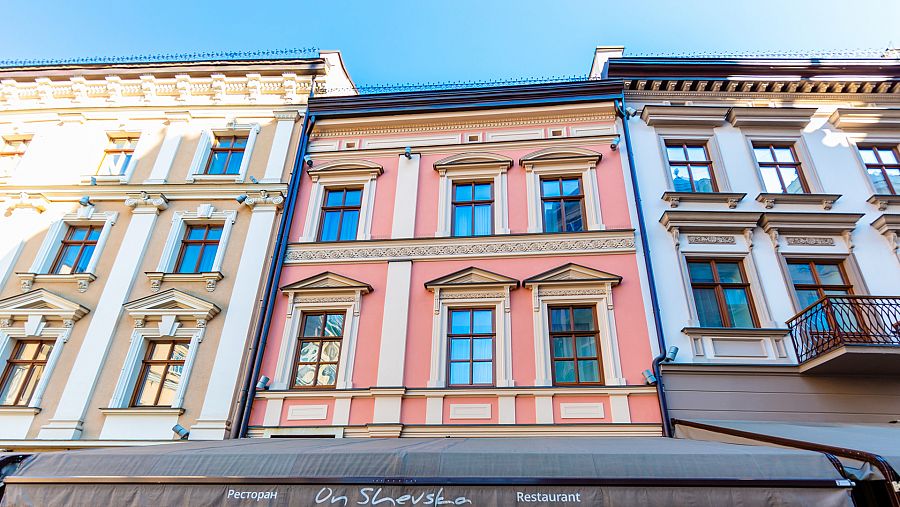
{"x":424,"y":249}
{"x":171,"y":192}
{"x":866,"y":118}
{"x":784,"y":97}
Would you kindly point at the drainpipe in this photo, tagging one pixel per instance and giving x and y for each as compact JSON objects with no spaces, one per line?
{"x":654,"y":298}
{"x":248,"y":392}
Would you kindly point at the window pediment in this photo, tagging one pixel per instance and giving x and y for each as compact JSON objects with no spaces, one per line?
{"x":709,"y":221}
{"x":41,"y":303}
{"x":472,"y":277}
{"x":573,"y":274}
{"x":346,"y":168}
{"x":171,"y":303}
{"x":327,"y":282}
{"x":684,"y":116}
{"x":561,"y":155}
{"x":865,"y":118}
{"x":810,"y":223}
{"x":788,"y":117}
{"x":473,"y":160}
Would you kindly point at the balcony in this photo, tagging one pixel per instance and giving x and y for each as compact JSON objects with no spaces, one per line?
{"x":848,"y":334}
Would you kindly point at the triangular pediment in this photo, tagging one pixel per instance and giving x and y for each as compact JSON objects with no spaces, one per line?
{"x":573,"y":274}
{"x":328,"y":281}
{"x":172,"y":302}
{"x":472,"y":276}
{"x":41,"y":302}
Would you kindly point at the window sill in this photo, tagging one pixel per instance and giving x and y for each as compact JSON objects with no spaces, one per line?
{"x":104,"y":179}
{"x":731,"y":199}
{"x":884,"y":200}
{"x":735,"y":331}
{"x":140,"y":411}
{"x":238,"y":178}
{"x":825,"y":200}
{"x":83,"y":280}
{"x":16,"y":410}
{"x":157,"y":278}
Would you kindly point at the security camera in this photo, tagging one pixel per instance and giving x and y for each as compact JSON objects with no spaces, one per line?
{"x":181,"y":431}
{"x":408,"y":152}
{"x":241,"y":198}
{"x":649,"y":377}
{"x":253,"y":179}
{"x":308,"y":160}
{"x":631,"y":112}
{"x":670,"y":355}
{"x":263,"y":383}
{"x":85,"y":201}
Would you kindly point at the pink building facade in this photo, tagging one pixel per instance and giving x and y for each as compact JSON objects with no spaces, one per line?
{"x":461,"y":263}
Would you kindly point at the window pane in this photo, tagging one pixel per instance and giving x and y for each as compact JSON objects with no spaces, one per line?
{"x":700,"y":272}
{"x":309,"y":352}
{"x":791,"y":179}
{"x":331,"y":351}
{"x":868,"y":155}
{"x":483,"y":192}
{"x":573,"y":216}
{"x":234,"y":162}
{"x":562,"y":347}
{"x":327,"y":375}
{"x":160,"y":351}
{"x":306,"y":375}
{"x":550,"y":188}
{"x":483,"y":220}
{"x":35,"y":377}
{"x":587,"y":346}
{"x":27,"y":351}
{"x":801,"y":273}
{"x":94,"y":234}
{"x":459,"y":348}
{"x":459,"y":373}
{"x":8,"y":395}
{"x":675,"y":153}
{"x":217,"y":163}
{"x":353,"y":197}
{"x":696,"y":153}
{"x":729,"y":272}
{"x":334,"y":324}
{"x":482,"y":348}
{"x":681,"y":179}
{"x":588,"y":371}
{"x":67,"y":260}
{"x":462,"y":220}
{"x":482,"y":373}
{"x":79,"y":233}
{"x":167,"y":394}
{"x":179,"y":351}
{"x":223,"y":142}
{"x":559,"y":319}
{"x":459,"y":322}
{"x":738,"y":308}
{"x":571,"y":187}
{"x":770,"y":180}
{"x":894,"y":176}
{"x":707,"y":307}
{"x":330,"y":225}
{"x":830,"y":274}
{"x":483,"y":321}
{"x":564,"y":371}
{"x":784,"y":155}
{"x":150,"y":385}
{"x":44,"y":352}
{"x":807,"y":297}
{"x":313,"y":325}
{"x":214,"y":233}
{"x":463,"y":192}
{"x":207,"y":258}
{"x":189,"y":259}
{"x":702,"y":179}
{"x":334,"y":198}
{"x":195,"y":233}
{"x":888,"y":156}
{"x":349,"y":225}
{"x":552,"y":222}
{"x":763,"y":154}
{"x":584,"y":319}
{"x":239,"y":142}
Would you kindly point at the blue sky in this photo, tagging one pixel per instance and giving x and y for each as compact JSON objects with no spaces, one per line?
{"x":430,"y":40}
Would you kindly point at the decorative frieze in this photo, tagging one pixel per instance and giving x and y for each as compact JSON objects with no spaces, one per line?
{"x":147,"y":203}
{"x":264,"y":198}
{"x":808,"y":241}
{"x":472,"y":295}
{"x":708,"y":239}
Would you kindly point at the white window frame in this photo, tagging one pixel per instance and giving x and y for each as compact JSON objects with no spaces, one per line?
{"x":341,"y":174}
{"x":204,"y":147}
{"x":804,"y":157}
{"x":35,"y":328}
{"x":6,"y":138}
{"x":85,"y":215}
{"x":854,"y":140}
{"x":473,"y":167}
{"x":537,"y":167}
{"x":140,"y":150}
{"x":205,"y":214}
{"x":705,"y":136}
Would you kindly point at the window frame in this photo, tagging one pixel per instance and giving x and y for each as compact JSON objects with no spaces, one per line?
{"x":687,"y":163}
{"x":230,"y":150}
{"x":204,"y":243}
{"x":797,"y":163}
{"x":471,"y":204}
{"x":341,"y":174}
{"x":817,"y":285}
{"x":324,"y":208}
{"x":876,"y":148}
{"x":204,"y":151}
{"x":52,"y":243}
{"x":67,"y":241}
{"x":718,"y":287}
{"x":32,"y":363}
{"x":322,"y":339}
{"x":147,"y":362}
{"x":595,"y":332}
{"x":112,"y":150}
{"x":471,"y":338}
{"x":562,"y":199}
{"x":181,"y":220}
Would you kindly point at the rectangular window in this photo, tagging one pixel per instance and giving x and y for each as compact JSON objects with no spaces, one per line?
{"x":780,"y":169}
{"x":226,"y":155}
{"x":574,"y":346}
{"x":198,"y":249}
{"x":814,"y":279}
{"x":691,"y":167}
{"x":11,"y":152}
{"x":23,"y":371}
{"x":319,"y":350}
{"x":340,"y":214}
{"x":473,"y":209}
{"x":117,"y":156}
{"x":721,"y":293}
{"x":161,"y":372}
{"x":471,"y":339}
{"x":76,"y":250}
{"x":562,"y":202}
{"x":883,"y":166}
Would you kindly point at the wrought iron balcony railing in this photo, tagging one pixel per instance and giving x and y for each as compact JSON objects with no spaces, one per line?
{"x":836,"y":321}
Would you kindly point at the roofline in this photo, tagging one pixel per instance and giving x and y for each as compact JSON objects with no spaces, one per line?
{"x":706,"y":68}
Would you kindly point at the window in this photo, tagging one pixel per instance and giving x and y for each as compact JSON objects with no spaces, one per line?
{"x":319,"y":350}
{"x":340,"y":214}
{"x":161,"y":372}
{"x":471,"y":337}
{"x":198,"y":249}
{"x":562,"y":202}
{"x":780,"y":169}
{"x":573,"y":344}
{"x":117,"y":156}
{"x":473,"y":209}
{"x":77,"y":249}
{"x":11,"y":152}
{"x":721,"y":293}
{"x":883,"y":167}
{"x":814,"y":279}
{"x":691,"y":167}
{"x":23,"y":371}
{"x":226,"y":155}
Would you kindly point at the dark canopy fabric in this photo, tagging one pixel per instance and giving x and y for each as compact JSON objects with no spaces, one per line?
{"x":489,"y":471}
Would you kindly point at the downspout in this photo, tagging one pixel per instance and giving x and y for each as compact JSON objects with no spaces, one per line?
{"x":248,"y":392}
{"x":651,"y":280}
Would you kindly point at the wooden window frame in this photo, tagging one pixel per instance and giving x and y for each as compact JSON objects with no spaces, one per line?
{"x":817,"y":284}
{"x":796,"y":164}
{"x":343,"y":208}
{"x":322,"y":340}
{"x":112,"y":150}
{"x":719,"y":288}
{"x":471,"y":205}
{"x":147,"y":363}
{"x":574,"y":334}
{"x":67,"y":241}
{"x":687,"y":163}
{"x":881,"y":165}
{"x":471,"y":337}
{"x":562,"y":199}
{"x":32,"y":364}
{"x":214,"y":149}
{"x":204,"y":243}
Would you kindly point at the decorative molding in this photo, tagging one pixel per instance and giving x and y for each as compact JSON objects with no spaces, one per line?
{"x":24,"y":201}
{"x":865,"y":118}
{"x":325,"y":299}
{"x":572,"y":292}
{"x":684,"y":116}
{"x":146,"y":202}
{"x":157,"y":278}
{"x":790,"y":117}
{"x":710,"y":239}
{"x":263,"y":198}
{"x":444,"y":294}
{"x":808,"y":241}
{"x":581,"y":411}
{"x":41,"y":303}
{"x":769,"y":200}
{"x":82,"y":280}
{"x":882,"y":201}
{"x":730,"y":199}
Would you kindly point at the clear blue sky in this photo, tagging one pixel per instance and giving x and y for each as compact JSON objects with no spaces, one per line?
{"x":431,"y":40}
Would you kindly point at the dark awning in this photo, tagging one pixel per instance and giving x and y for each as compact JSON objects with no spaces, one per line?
{"x":488,"y":471}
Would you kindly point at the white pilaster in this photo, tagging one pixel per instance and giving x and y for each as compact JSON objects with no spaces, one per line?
{"x":167,"y":150}
{"x":543,"y":409}
{"x":404,"y":223}
{"x":506,"y":409}
{"x":281,"y":143}
{"x":618,"y":408}
{"x":392,"y":353}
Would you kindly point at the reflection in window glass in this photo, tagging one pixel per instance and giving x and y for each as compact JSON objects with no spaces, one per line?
{"x":471,"y":338}
{"x":340,"y":214}
{"x":319,"y":350}
{"x":691,"y":167}
{"x":573,"y":345}
{"x":721,"y":293}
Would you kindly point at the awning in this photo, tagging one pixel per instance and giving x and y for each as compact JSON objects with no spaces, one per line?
{"x":470,"y":471}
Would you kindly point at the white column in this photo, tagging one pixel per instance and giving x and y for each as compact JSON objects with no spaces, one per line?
{"x":66,"y":423}
{"x":404,"y":224}
{"x":281,"y":143}
{"x":212,"y":423}
{"x":392,"y":352}
{"x":167,"y":150}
